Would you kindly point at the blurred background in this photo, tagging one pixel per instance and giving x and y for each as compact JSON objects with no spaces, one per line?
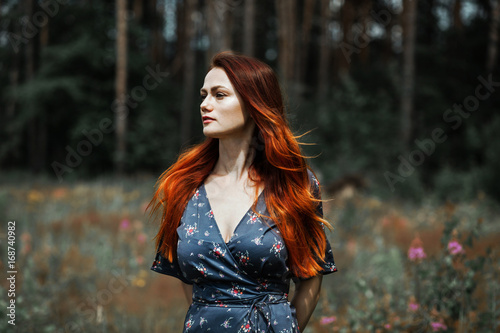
{"x":398,"y":101}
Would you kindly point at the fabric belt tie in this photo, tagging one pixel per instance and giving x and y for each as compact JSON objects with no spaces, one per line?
{"x":260,"y":307}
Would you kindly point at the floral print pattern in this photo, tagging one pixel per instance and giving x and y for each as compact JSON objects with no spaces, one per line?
{"x":239,"y":286}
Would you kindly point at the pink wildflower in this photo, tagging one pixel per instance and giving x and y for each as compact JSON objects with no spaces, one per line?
{"x":387,"y":326}
{"x":328,"y":320}
{"x":413,"y":306}
{"x":141,"y":238}
{"x":416,"y":251}
{"x":124,"y":224}
{"x":437,"y":326}
{"x":455,"y":248}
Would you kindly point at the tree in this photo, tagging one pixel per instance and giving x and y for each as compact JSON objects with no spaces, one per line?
{"x":324,"y":51}
{"x":121,"y":85}
{"x":493,"y":36}
{"x":156,"y":11}
{"x":408,"y":79}
{"x":305,"y":47}
{"x":347,"y":14}
{"x":37,"y":131}
{"x":457,"y":19}
{"x":188,"y":71}
{"x":249,"y":28}
{"x":286,"y":12}
{"x":218,"y":22}
{"x":364,"y":9}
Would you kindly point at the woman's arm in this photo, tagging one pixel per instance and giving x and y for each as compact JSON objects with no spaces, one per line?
{"x":305,"y":298}
{"x":188,"y":292}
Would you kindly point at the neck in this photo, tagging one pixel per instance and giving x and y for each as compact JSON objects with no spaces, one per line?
{"x":235,"y":157}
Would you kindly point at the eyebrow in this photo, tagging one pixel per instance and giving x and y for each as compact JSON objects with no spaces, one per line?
{"x":213,"y":88}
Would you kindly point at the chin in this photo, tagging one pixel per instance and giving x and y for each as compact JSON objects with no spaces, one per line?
{"x":220,"y":133}
{"x":211,"y":133}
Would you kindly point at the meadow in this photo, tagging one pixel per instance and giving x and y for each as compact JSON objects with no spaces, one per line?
{"x":84,"y":251}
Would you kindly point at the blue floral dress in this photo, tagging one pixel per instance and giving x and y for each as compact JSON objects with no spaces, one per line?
{"x":239,"y":286}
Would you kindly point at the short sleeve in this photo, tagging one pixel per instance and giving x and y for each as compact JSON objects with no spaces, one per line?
{"x":163,"y":266}
{"x":328,"y":266}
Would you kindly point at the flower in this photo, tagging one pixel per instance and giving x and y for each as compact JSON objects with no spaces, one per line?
{"x":413,"y":306}
{"x":438,"y":326}
{"x":387,"y":326}
{"x":124,"y":224}
{"x":328,"y":320}
{"x":141,"y":238}
{"x":416,"y":251}
{"x":455,"y":248}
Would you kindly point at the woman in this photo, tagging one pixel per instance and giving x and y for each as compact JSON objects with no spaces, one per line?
{"x":241,"y":212}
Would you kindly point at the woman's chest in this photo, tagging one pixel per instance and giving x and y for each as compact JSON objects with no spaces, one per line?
{"x":229,"y":206}
{"x":255,"y":248}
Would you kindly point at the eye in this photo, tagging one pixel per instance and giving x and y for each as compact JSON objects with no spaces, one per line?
{"x":219,"y":95}
{"x":202,"y":97}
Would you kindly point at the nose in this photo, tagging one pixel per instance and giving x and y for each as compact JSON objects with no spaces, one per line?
{"x":205,"y":105}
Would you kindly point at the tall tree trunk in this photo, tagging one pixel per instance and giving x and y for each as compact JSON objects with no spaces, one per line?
{"x":138,"y":10}
{"x":218,"y":13}
{"x":121,"y":85}
{"x":153,"y":18}
{"x":365,"y":9}
{"x":44,"y":29}
{"x":286,"y":11}
{"x":180,"y":43}
{"x":324,"y":51}
{"x":156,"y":11}
{"x":33,"y":137}
{"x":307,"y":21}
{"x":408,"y":80}
{"x":457,"y":19}
{"x":14,"y":72}
{"x":493,"y":37}
{"x":42,"y":121}
{"x":189,"y":71}
{"x":160,"y":26}
{"x":249,"y":28}
{"x":347,"y":14}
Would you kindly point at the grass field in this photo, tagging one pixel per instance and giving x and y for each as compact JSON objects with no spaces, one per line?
{"x":84,"y":249}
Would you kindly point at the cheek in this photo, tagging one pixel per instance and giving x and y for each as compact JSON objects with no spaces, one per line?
{"x":234,"y":115}
{"x":239,"y":118}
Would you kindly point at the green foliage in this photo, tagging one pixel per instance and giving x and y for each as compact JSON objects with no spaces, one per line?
{"x":71,"y":243}
{"x":347,"y":144}
{"x":490,"y":147}
{"x":381,"y":290}
{"x":457,"y":185}
{"x":356,"y":127}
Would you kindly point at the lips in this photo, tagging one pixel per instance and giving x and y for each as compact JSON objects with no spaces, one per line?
{"x":207,"y":119}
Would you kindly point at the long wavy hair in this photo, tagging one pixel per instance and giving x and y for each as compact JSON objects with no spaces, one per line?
{"x":278,"y":164}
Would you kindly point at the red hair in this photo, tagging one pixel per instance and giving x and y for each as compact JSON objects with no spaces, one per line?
{"x":278,"y":163}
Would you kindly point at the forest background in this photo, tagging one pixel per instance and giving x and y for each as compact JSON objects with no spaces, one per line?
{"x":399,"y":98}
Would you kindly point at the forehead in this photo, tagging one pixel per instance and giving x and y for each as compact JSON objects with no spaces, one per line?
{"x":216,"y":77}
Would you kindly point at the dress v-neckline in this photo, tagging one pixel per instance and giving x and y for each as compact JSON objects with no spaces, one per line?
{"x":215,"y":221}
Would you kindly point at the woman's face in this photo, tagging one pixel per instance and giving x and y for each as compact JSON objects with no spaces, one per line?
{"x":222,"y":111}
